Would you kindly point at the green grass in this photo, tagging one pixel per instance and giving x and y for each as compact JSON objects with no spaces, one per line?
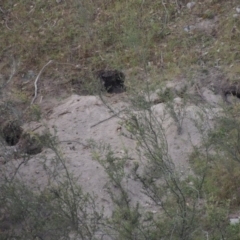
{"x":122,"y":35}
{"x":142,"y":38}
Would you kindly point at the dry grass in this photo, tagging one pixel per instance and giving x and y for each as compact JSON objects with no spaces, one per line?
{"x":138,"y":37}
{"x":84,"y":36}
{"x":120,"y":35}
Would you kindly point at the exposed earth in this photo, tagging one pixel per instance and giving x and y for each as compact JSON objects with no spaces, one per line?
{"x":78,"y":119}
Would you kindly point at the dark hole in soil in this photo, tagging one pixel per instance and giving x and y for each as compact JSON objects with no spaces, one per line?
{"x":235,"y":93}
{"x":112,"y":80}
{"x":12,"y":132}
{"x":233,"y":90}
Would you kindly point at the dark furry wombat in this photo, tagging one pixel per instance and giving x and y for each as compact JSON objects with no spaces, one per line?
{"x":112,"y":80}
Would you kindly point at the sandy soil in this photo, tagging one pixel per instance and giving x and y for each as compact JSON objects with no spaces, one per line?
{"x":77,"y":119}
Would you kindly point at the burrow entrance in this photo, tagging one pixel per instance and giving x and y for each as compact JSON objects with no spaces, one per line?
{"x":11,"y":132}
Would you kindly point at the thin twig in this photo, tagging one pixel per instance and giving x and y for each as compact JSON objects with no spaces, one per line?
{"x":38,"y":76}
{"x":16,"y":170}
{"x":13,"y":71}
{"x":84,"y":145}
{"x":104,"y":120}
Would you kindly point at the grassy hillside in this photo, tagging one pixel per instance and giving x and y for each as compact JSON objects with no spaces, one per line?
{"x":67,"y":41}
{"x":165,"y":38}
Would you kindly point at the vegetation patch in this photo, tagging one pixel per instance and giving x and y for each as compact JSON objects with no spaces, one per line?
{"x":148,"y":42}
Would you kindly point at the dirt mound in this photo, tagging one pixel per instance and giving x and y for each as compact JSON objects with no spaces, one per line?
{"x":79,"y":119}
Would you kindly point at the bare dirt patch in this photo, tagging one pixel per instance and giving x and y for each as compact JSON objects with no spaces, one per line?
{"x":78,"y":119}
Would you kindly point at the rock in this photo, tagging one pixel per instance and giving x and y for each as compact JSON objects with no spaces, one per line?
{"x":234,"y":221}
{"x":29,"y":75}
{"x":178,"y":102}
{"x":181,"y":88}
{"x":177,"y":87}
{"x":7,"y":153}
{"x":189,"y":28}
{"x":191,"y":5}
{"x":210,"y":97}
{"x":207,"y":26}
{"x":238,"y":9}
{"x":170,"y":85}
{"x":232,"y":99}
{"x":230,"y":90}
{"x":154,"y":97}
{"x":236,"y":15}
{"x":169,"y":91}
